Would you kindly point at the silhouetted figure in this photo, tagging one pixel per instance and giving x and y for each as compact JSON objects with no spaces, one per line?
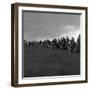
{"x":68,"y":45}
{"x":72,"y":44}
{"x":78,"y":43}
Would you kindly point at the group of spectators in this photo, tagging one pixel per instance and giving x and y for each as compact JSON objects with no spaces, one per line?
{"x":63,"y":43}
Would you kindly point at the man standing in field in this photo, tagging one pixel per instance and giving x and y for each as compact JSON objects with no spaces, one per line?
{"x":68,"y":45}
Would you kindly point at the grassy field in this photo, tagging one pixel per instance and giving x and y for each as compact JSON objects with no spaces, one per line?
{"x":50,"y":62}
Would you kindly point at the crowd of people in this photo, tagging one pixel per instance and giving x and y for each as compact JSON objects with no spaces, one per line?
{"x":63,"y":43}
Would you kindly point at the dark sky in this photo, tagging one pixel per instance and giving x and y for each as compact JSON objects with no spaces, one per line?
{"x":41,"y":26}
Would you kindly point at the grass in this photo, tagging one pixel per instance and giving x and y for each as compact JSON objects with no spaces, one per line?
{"x":50,"y":62}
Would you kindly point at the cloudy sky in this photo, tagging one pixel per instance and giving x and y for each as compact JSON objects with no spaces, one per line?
{"x":41,"y":26}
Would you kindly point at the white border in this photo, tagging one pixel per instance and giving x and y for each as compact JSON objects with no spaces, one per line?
{"x":53,"y":78}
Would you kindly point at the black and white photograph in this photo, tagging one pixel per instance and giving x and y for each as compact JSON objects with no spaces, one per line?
{"x":49,"y":44}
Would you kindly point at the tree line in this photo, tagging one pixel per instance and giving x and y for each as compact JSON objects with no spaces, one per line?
{"x":64,"y":43}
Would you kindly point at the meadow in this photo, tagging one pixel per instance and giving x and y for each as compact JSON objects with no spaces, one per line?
{"x":50,"y":62}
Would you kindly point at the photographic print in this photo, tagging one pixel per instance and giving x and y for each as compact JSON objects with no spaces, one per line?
{"x":50,"y":44}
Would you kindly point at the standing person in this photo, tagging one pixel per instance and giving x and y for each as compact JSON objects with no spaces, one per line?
{"x":78,"y":43}
{"x":72,"y":44}
{"x":68,"y":45}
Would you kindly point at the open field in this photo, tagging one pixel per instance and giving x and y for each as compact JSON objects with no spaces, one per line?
{"x":50,"y":62}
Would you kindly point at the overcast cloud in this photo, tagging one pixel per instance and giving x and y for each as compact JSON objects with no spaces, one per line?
{"x":41,"y":26}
